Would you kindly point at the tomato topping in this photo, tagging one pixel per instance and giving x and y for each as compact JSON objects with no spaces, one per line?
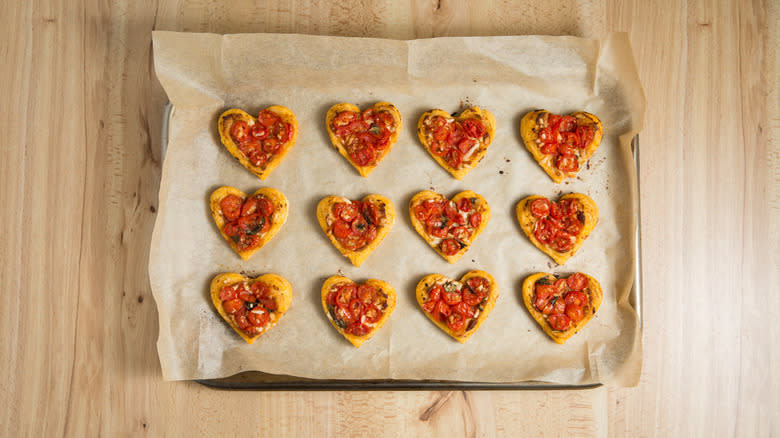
{"x":364,"y":155}
{"x":474,"y":128}
{"x":343,"y":314}
{"x":577,"y":281}
{"x":540,"y":207}
{"x":371,"y":213}
{"x":453,"y":158}
{"x":243,"y":323}
{"x":367,"y":294}
{"x":355,"y":307}
{"x":271,"y":145}
{"x":574,"y":313}
{"x":544,"y":230}
{"x":435,"y":230}
{"x":227,"y":293}
{"x":566,"y":163}
{"x":259,"y":131}
{"x":452,"y":298}
{"x":478,"y":284}
{"x":258,"y":158}
{"x":370,"y":315}
{"x":560,"y":285}
{"x":576,"y":298}
{"x":450,"y":247}
{"x":439,"y":148}
{"x":567,"y":124}
{"x":559,"y":321}
{"x":239,"y":130}
{"x":464,"y":205}
{"x":548,"y":135}
{"x":465,"y":145}
{"x":585,"y":134}
{"x":359,"y":225}
{"x":550,"y":149}
{"x":471,"y":299}
{"x":544,"y":294}
{"x":421,"y":213}
{"x":461,"y":234}
{"x":451,"y":210}
{"x":357,"y":329}
{"x":429,"y":306}
{"x":465,"y":309}
{"x":558,"y":305}
{"x":246,"y":242}
{"x":231,"y":206}
{"x":553,"y":120}
{"x":456,"y":322}
{"x":246,"y":295}
{"x":346,"y":211}
{"x":258,"y":317}
{"x":268,"y":118}
{"x":562,"y":242}
{"x":345,"y":294}
{"x":233,"y":306}
{"x":475,"y":220}
{"x":344,"y":118}
{"x":566,"y":150}
{"x":231,"y":229}
{"x":341,"y":229}
{"x":435,"y":293}
{"x":571,"y":225}
{"x":443,"y":310}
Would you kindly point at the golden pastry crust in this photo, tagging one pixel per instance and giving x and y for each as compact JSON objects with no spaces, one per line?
{"x":386,"y":293}
{"x":594,"y":293}
{"x":531,"y":124}
{"x":379,"y":106}
{"x":485,"y":116}
{"x":277,"y":220}
{"x":225,"y":122}
{"x":324,"y":212}
{"x":421,"y":292}
{"x":528,"y":222}
{"x":419,"y":198}
{"x":279,"y":288}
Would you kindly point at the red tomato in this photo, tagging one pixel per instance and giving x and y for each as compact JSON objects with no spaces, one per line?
{"x":258,"y":318}
{"x":265,"y":206}
{"x":258,"y":158}
{"x":560,"y":285}
{"x":247,"y":242}
{"x":556,"y":210}
{"x":239,"y":130}
{"x":452,"y":298}
{"x":566,"y":149}
{"x":370,"y":233}
{"x":343,"y":118}
{"x":231,"y":207}
{"x":475,"y":219}
{"x":548,"y":135}
{"x":456,"y":134}
{"x":343,"y":314}
{"x":465,"y":145}
{"x":247,"y":296}
{"x":453,"y":158}
{"x":367,"y":294}
{"x":370,"y":315}
{"x":543,"y":230}
{"x":346,"y":211}
{"x":357,"y":329}
{"x":544,"y":294}
{"x":562,"y":242}
{"x":567,"y":124}
{"x":574,"y":313}
{"x":429,"y":306}
{"x":281,"y":132}
{"x":577,"y":281}
{"x":576,"y":298}
{"x":231,"y":229}
{"x":586,"y":134}
{"x":456,"y":322}
{"x":465,"y":309}
{"x":571,"y":225}
{"x":371,"y":212}
{"x":443,"y":310}
{"x":268,"y":302}
{"x":243,"y":323}
{"x":570,"y":139}
{"x":268,"y":118}
{"x":439,"y":148}
{"x":341,"y":229}
{"x":227,"y":293}
{"x":474,"y":128}
{"x":355,"y":308}
{"x":259,"y":131}
{"x":271,"y":145}
{"x":359,"y":225}
{"x":559,"y":321}
{"x":441,"y":128}
{"x":478,"y":284}
{"x":550,"y":148}
{"x":233,"y":306}
{"x":451,"y":210}
{"x":331,"y":298}
{"x":250,"y":147}
{"x":345,"y":294}
{"x":435,"y":293}
{"x":421,"y":213}
{"x":471,"y":298}
{"x":464,"y":205}
{"x":438,"y":122}
{"x":353,"y":242}
{"x":450,"y":247}
{"x":250,"y":206}
{"x":559,"y":306}
{"x":384,"y":118}
{"x":540,"y":207}
{"x":566,"y":163}
{"x":461,"y":233}
{"x":553,"y":120}
{"x":364,"y":156}
{"x":436,"y":231}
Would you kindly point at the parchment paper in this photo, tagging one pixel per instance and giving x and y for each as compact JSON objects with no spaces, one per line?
{"x":204,"y":74}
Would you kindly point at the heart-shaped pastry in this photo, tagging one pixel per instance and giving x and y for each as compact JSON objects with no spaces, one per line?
{"x":457,"y":143}
{"x":363,"y":138}
{"x":356,"y":228}
{"x":558,"y":228}
{"x":561,"y":144}
{"x":357,"y":311}
{"x":449,"y":226}
{"x":458,"y":307}
{"x":251,"y":306}
{"x":248,"y":222}
{"x":561,"y":306}
{"x":261,"y":143}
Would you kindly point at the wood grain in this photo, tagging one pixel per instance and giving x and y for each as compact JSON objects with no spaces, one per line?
{"x":79,"y":175}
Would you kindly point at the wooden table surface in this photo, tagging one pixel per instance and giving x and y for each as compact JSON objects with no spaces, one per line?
{"x":80,"y":119}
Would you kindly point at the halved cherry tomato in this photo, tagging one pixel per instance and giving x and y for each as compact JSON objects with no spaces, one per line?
{"x":559,"y":306}
{"x":258,"y":318}
{"x":567,"y":124}
{"x":265,"y":206}
{"x":271,"y":145}
{"x":430,"y":306}
{"x":250,"y":147}
{"x":370,"y":315}
{"x":438,"y":122}
{"x":353,"y":242}
{"x":346,"y":211}
{"x":443,"y":310}
{"x":227,"y":293}
{"x":464,"y":309}
{"x":371,"y":213}
{"x":550,"y":148}
{"x":259,"y":131}
{"x":384,"y":118}
{"x":343,"y":314}
{"x":367,"y":294}
{"x":586,"y":134}
{"x":561,"y":285}
{"x":281,"y":132}
{"x":359,"y":225}
{"x":345,"y":294}
{"x":540,"y":207}
{"x":474,"y":128}
{"x":439,"y":148}
{"x":247,"y":296}
{"x":231,"y":229}
{"x":357,"y":329}
{"x":239,"y":130}
{"x":268,"y":302}
{"x":435,"y":293}
{"x":452,"y":298}
{"x":571,"y":225}
{"x":451,"y":210}
{"x":553,"y":120}
{"x":268,"y":118}
{"x":574,"y":313}
{"x":258,"y":158}
{"x":566,"y":149}
{"x":465,"y":145}
{"x":456,"y":322}
{"x":246,"y":242}
{"x":566,"y":163}
{"x":559,"y":321}
{"x":577,"y":281}
{"x":456,"y":134}
{"x":453,"y":158}
{"x":331,"y":298}
{"x":450,"y":247}
{"x":461,"y":234}
{"x":544,"y":293}
{"x":231,"y":207}
{"x":475,"y":219}
{"x":421,"y":213}
{"x":242,"y":322}
{"x":370,"y":233}
{"x":341,"y":229}
{"x":543,"y":230}
{"x":548,"y":135}
{"x":355,"y":307}
{"x":478,"y":284}
{"x":576,"y":298}
{"x":562,"y":242}
{"x":570,"y":139}
{"x":250,"y":206}
{"x":556,"y":212}
{"x":441,"y":128}
{"x":471,"y":298}
{"x":435,"y":230}
{"x":464,"y":205}
{"x":233,"y":306}
{"x":364,"y":156}
{"x":343,"y":118}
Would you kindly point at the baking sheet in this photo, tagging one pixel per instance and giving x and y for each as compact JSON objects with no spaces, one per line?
{"x":201,"y":77}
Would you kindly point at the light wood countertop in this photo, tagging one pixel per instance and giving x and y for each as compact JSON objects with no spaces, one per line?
{"x":79,"y":175}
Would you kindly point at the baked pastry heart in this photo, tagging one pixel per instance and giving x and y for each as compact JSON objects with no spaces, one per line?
{"x":449,"y":226}
{"x":363,"y":138}
{"x":558,"y":228}
{"x":561,"y":144}
{"x":251,"y":306}
{"x":561,"y":306}
{"x":357,"y":311}
{"x":457,"y":143}
{"x":261,"y":143}
{"x":356,"y":228}
{"x":458,"y":307}
{"x":248,"y":222}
